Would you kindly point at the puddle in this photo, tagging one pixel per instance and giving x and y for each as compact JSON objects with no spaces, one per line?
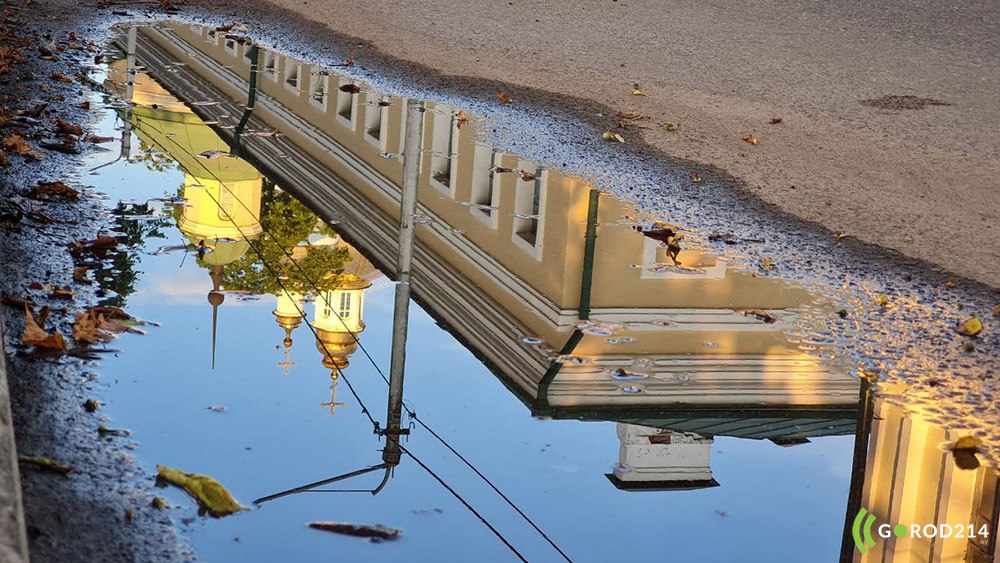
{"x":615,"y":380}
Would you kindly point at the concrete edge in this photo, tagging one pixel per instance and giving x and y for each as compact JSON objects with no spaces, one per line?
{"x":13,"y":534}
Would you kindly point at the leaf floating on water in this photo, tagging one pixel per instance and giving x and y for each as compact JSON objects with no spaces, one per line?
{"x":460,"y":119}
{"x":60,"y":77}
{"x":636,"y":91}
{"x":612,"y":136}
{"x":105,"y":431}
{"x":217,"y":408}
{"x":526,"y":176}
{"x":377,"y":532}
{"x":351,"y":88}
{"x":45,"y":463}
{"x":98,"y":246}
{"x":964,"y":452}
{"x":971,"y":327}
{"x":80,"y":274}
{"x":695,"y":176}
{"x":882,"y":300}
{"x":210,"y":494}
{"x":750,"y":139}
{"x":768,"y":318}
{"x":35,"y":335}
{"x":503,"y":97}
{"x":158,"y":503}
{"x":17,"y":145}
{"x":775,"y":120}
{"x":91,"y":405}
{"x":67,"y":128}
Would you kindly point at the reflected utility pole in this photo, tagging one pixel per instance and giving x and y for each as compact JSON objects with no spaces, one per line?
{"x":130,"y":46}
{"x":412,"y":142}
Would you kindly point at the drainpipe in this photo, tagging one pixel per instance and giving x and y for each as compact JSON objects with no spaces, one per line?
{"x":586,"y":283}
{"x":234,"y":148}
{"x":866,"y":407}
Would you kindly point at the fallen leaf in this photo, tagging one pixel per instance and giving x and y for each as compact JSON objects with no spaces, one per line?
{"x":768,"y":318}
{"x":60,"y":77}
{"x":964,"y":451}
{"x":12,"y":301}
{"x":612,"y":136}
{"x":526,"y":176}
{"x":766,"y":264}
{"x":971,"y":327}
{"x":80,"y":274}
{"x":158,"y":503}
{"x":377,"y":531}
{"x":882,"y":300}
{"x":98,"y":246}
{"x":503,"y":97}
{"x":210,"y":494}
{"x":351,"y":88}
{"x":65,"y":292}
{"x":695,"y":176}
{"x":45,"y":463}
{"x":89,"y":328}
{"x":631,"y":115}
{"x":128,"y":514}
{"x":636,"y":91}
{"x":97,"y":140}
{"x":949,"y":284}
{"x":996,"y":311}
{"x":54,"y":191}
{"x":16,"y":144}
{"x":750,"y":139}
{"x":775,"y":120}
{"x":35,"y":335}
{"x":91,"y":405}
{"x":460,"y":119}
{"x":671,"y":127}
{"x":65,"y":145}
{"x":84,"y":105}
{"x":105,"y":431}
{"x":67,"y":128}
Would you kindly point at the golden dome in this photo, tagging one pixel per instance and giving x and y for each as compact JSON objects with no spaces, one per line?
{"x":335,"y":347}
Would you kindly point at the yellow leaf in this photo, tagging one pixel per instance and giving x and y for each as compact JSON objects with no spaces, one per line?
{"x":210,"y":494}
{"x":750,"y":139}
{"x":882,"y":300}
{"x":766,"y":264}
{"x":971,"y":327}
{"x":996,"y":311}
{"x":612,"y":136}
{"x":460,"y":119}
{"x":503,"y":97}
{"x":636,"y":91}
{"x":695,"y":176}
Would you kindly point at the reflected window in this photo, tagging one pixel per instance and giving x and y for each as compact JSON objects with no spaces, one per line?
{"x":293,"y":75}
{"x":527,"y":207}
{"x":318,"y":88}
{"x":443,"y":142}
{"x":230,"y":46}
{"x":375,"y":116}
{"x":484,"y":181}
{"x":345,"y":305}
{"x":346,"y":102}
{"x":271,"y":65}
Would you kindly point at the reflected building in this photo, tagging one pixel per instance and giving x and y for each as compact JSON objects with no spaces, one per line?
{"x":651,"y":459}
{"x":910,"y":477}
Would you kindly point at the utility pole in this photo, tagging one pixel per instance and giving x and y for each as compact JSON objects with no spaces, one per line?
{"x":412,"y":155}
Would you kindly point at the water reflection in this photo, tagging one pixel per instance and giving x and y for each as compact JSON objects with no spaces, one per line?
{"x":582,"y":308}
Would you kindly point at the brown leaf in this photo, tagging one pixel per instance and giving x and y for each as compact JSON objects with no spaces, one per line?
{"x":35,"y":335}
{"x":351,"y":88}
{"x":99,"y":245}
{"x":695,"y":176}
{"x":65,"y":292}
{"x":16,"y":144}
{"x":768,"y":318}
{"x":460,"y":119}
{"x":84,"y":105}
{"x":54,"y":191}
{"x":97,"y":140}
{"x":45,"y":463}
{"x":377,"y":531}
{"x":631,"y":115}
{"x":66,"y":145}
{"x":60,"y":77}
{"x":964,"y":451}
{"x":80,"y":275}
{"x":775,"y":120}
{"x":750,"y":139}
{"x":89,"y":328}
{"x":503,"y":97}
{"x":68,"y":128}
{"x":526,"y":176}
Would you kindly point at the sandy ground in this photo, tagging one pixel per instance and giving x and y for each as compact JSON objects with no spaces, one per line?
{"x":920,"y":181}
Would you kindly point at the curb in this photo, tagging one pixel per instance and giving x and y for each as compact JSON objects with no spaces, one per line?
{"x":13,"y":537}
